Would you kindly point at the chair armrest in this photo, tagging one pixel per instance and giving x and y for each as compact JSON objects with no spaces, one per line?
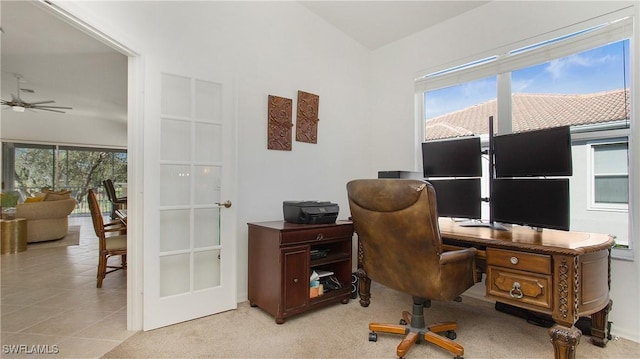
{"x":457,"y":256}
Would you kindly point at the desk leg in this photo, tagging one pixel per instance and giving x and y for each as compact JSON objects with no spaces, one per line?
{"x":599,"y":330}
{"x":364,"y":287}
{"x":564,"y":340}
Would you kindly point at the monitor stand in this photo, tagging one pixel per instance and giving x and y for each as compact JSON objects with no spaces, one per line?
{"x":480,"y":223}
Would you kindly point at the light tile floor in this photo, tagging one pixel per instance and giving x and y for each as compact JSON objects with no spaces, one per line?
{"x":50,"y":303}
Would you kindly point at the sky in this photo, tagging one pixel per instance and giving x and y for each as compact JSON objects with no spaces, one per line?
{"x":596,"y":70}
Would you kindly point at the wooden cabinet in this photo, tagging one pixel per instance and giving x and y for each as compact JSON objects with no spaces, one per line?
{"x":281,"y":263}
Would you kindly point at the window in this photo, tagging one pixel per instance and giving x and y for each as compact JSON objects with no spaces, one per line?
{"x":610,"y":173}
{"x":27,"y":168}
{"x":579,"y":79}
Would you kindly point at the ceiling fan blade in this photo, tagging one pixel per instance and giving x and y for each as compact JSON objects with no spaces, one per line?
{"x":47,"y":109}
{"x":44,"y":107}
{"x":41,"y":102}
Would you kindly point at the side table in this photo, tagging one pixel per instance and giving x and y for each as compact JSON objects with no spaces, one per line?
{"x":14,"y":235}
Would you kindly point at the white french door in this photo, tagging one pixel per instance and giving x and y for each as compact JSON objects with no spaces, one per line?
{"x":189,"y":250}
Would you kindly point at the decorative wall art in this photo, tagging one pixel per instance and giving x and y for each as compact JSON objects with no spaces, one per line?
{"x":279,"y":123}
{"x":307,"y":117}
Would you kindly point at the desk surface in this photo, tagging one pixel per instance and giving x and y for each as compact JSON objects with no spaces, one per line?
{"x":527,"y":239}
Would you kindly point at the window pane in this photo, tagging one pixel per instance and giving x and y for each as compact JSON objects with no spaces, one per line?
{"x":34,"y":168}
{"x":461,"y":110}
{"x":591,"y":87}
{"x":610,"y":158}
{"x":611,"y":189}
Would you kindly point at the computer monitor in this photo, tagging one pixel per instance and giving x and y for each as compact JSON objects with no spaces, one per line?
{"x":544,"y":152}
{"x":460,"y":157}
{"x":533,"y":202}
{"x":458,"y":198}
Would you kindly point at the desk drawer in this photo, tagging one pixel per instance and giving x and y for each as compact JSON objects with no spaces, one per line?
{"x":530,"y":262}
{"x":316,"y":234}
{"x":519,"y":287}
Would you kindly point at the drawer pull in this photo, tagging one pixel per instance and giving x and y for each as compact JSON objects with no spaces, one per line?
{"x":320,"y":237}
{"x":295,"y":280}
{"x":514,"y":260}
{"x":515,"y":291}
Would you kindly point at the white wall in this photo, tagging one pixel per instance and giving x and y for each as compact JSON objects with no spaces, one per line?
{"x":395,"y":66}
{"x":271,"y":48}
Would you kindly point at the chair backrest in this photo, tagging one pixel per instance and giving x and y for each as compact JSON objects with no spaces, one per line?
{"x":110,"y":189}
{"x":96,"y":215}
{"x":397,"y":226}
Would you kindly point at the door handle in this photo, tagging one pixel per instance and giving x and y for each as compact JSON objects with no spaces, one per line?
{"x":225,"y":204}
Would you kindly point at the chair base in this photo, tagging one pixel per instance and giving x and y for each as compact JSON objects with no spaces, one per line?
{"x":414,"y":329}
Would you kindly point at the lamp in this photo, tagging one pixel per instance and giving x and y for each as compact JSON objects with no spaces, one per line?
{"x":18,"y":108}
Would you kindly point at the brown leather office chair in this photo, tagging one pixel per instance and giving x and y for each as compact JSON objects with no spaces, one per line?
{"x":400,"y":247}
{"x":109,"y":245}
{"x":116,"y":202}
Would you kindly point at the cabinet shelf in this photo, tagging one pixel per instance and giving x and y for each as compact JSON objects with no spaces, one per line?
{"x":330,"y":258}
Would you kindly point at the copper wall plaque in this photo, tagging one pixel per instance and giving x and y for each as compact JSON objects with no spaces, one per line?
{"x":307,"y":119}
{"x":279,"y":123}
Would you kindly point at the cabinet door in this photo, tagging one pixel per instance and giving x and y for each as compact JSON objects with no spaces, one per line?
{"x":295,"y":278}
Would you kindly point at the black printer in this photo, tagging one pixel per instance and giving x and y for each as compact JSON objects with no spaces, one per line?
{"x":310,"y":212}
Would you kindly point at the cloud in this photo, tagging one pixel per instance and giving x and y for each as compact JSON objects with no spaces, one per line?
{"x":559,"y":67}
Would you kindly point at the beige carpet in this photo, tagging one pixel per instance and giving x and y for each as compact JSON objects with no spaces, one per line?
{"x":71,"y":239}
{"x":341,"y":331}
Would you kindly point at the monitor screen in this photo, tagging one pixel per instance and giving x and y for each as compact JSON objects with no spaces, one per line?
{"x":536,"y":153}
{"x":532,"y":202}
{"x":452,"y":158}
{"x":458,"y":198}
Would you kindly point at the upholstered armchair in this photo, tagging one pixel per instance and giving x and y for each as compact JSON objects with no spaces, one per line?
{"x":46,"y":220}
{"x":400,"y":247}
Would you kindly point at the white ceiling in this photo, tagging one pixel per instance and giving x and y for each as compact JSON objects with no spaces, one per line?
{"x":377,"y":23}
{"x":62,"y":63}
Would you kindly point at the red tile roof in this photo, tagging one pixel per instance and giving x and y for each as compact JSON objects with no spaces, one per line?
{"x":534,"y":111}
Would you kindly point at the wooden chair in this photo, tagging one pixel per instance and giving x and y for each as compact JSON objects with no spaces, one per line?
{"x":116,"y":202}
{"x":401,"y":248}
{"x":109,"y":245}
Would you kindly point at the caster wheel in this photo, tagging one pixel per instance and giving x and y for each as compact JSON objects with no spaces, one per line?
{"x":373,"y":337}
{"x":451,"y":335}
{"x":403,"y":322}
{"x":458,"y":357}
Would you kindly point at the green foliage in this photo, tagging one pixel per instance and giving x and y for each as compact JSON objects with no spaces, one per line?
{"x":69,"y":168}
{"x":8,"y":199}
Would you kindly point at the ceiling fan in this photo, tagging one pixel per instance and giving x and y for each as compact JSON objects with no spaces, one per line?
{"x":19,"y":105}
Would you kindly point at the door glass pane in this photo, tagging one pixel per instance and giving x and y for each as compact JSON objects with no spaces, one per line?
{"x":208,"y":101}
{"x":175,"y":96}
{"x":175,"y":140}
{"x":207,"y":184}
{"x":206,"y":269}
{"x":208,"y":138}
{"x":206,"y":227}
{"x":174,"y":230}
{"x":174,"y":185}
{"x":174,"y":271}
